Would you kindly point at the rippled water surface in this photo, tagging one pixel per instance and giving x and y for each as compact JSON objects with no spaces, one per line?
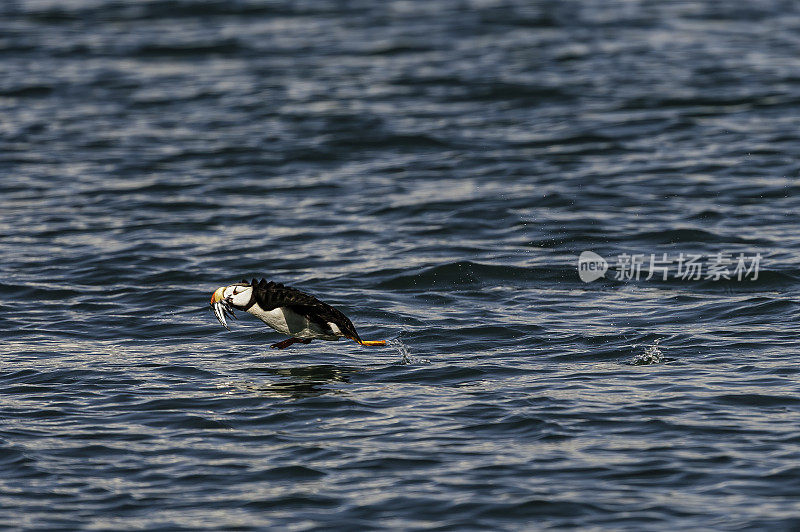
{"x":434,"y":169}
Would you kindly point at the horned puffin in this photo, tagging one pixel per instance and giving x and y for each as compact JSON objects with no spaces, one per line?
{"x":287,"y":310}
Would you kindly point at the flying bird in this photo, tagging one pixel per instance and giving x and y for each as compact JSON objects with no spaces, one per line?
{"x":289,"y":311}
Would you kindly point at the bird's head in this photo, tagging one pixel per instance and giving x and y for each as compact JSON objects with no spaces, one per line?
{"x":226,"y":298}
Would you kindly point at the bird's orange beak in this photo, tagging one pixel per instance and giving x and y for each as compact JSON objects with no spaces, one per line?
{"x":217,"y":295}
{"x":221,"y":307}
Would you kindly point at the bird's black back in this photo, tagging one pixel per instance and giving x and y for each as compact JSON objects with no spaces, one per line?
{"x":271,"y":295}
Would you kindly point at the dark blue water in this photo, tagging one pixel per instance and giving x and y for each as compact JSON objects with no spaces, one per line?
{"x":434,"y":169}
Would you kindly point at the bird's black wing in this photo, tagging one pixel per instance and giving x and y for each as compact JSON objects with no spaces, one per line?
{"x":271,"y":295}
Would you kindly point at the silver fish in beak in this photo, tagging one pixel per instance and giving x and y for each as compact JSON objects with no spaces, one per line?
{"x":221,"y":308}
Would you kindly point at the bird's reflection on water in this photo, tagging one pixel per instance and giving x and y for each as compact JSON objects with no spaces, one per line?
{"x":301,"y":381}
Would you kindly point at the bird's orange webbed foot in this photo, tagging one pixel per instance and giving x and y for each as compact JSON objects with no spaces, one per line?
{"x":373,"y":342}
{"x":289,"y":341}
{"x":368,"y":342}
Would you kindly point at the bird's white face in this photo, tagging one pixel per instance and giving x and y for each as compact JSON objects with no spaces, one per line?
{"x":226,"y":298}
{"x":237,"y":295}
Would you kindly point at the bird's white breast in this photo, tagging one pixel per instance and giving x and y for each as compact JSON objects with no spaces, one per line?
{"x":275,"y":318}
{"x":290,"y":323}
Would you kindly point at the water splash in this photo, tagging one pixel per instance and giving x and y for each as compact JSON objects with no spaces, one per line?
{"x":651,"y":355}
{"x":405,"y":355}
